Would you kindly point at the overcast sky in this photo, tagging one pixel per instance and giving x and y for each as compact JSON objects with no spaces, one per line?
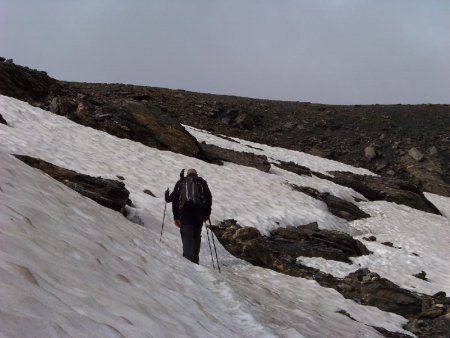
{"x":327,"y":51}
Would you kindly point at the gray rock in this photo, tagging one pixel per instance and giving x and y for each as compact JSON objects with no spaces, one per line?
{"x":433,"y":150}
{"x":390,"y":172}
{"x":421,"y":275}
{"x":289,"y":125}
{"x":415,"y":154}
{"x":370,"y":153}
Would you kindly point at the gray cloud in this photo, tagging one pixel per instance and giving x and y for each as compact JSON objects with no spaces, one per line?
{"x":329,"y":51}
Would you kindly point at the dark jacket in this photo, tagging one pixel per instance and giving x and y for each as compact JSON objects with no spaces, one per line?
{"x":201,"y":214}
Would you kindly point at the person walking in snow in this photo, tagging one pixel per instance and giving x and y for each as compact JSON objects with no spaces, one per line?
{"x":191,"y":206}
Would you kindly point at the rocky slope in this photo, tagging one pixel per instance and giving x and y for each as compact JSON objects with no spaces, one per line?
{"x":404,"y":141}
{"x":140,"y":119}
{"x":428,"y":315}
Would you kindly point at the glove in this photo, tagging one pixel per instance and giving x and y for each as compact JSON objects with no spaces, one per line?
{"x":167,"y":195}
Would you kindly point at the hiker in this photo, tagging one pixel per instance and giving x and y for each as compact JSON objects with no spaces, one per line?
{"x":191,"y":206}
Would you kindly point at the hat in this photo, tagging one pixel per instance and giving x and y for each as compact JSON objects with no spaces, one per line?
{"x":191,"y":172}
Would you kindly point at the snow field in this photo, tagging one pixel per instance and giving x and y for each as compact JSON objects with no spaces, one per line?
{"x":421,"y":242}
{"x":69,"y":266}
{"x":248,"y":195}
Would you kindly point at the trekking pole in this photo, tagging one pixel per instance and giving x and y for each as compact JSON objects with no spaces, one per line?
{"x":164,"y":216}
{"x":214,"y":243}
{"x":210,"y":250}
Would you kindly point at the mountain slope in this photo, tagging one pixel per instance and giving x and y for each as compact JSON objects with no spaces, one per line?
{"x":377,"y":137}
{"x":70,"y":267}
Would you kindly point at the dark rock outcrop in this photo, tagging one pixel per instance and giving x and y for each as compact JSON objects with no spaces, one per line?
{"x":310,"y":241}
{"x":108,"y":193}
{"x":336,"y":205}
{"x":376,"y":188}
{"x":292,"y":242}
{"x":214,"y":152}
{"x":26,"y":84}
{"x":295,"y":168}
{"x":136,"y":121}
{"x":370,"y":289}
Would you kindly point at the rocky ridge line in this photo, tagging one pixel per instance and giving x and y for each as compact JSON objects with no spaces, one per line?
{"x":410,"y":142}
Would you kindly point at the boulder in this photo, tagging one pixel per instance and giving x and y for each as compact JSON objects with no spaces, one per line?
{"x":415,"y":154}
{"x":390,"y":189}
{"x":421,"y":275}
{"x":244,"y":242}
{"x":310,"y":241}
{"x":246,"y":234}
{"x":108,"y":193}
{"x":370,"y":153}
{"x":307,"y":240}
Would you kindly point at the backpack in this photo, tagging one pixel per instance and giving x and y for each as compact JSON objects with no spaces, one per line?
{"x":192,"y":196}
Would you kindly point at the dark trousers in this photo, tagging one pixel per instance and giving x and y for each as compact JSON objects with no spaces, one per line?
{"x":191,"y":235}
